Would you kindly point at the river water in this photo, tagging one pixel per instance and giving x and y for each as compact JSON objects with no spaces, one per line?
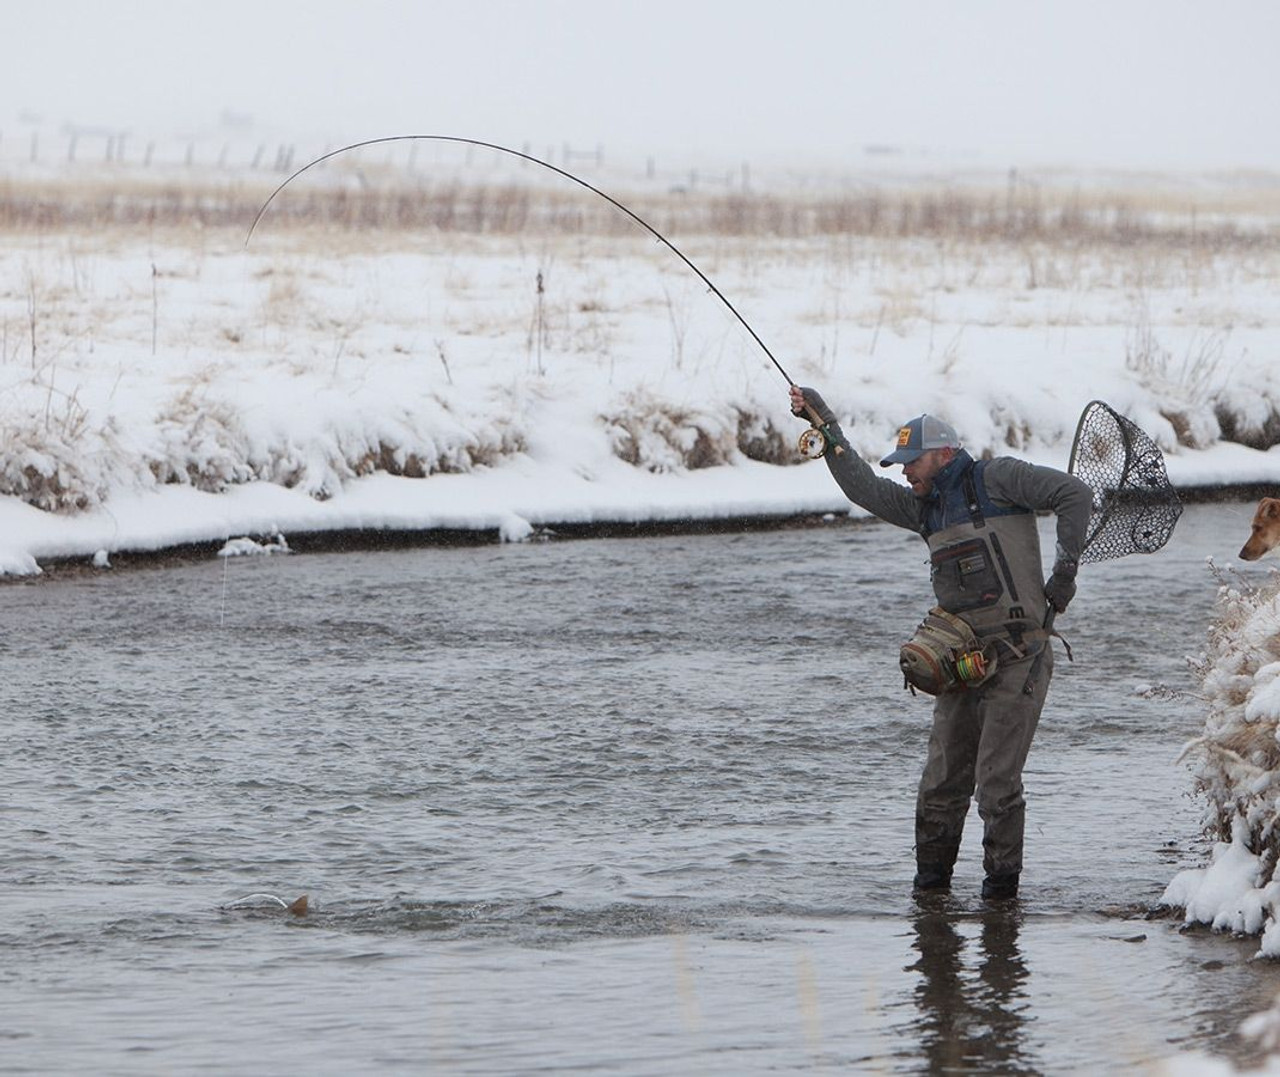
{"x":635,"y":806}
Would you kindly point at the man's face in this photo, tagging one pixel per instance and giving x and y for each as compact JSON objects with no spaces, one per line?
{"x":921,"y":472}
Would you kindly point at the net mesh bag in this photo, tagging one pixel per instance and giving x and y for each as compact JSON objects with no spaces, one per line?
{"x":1135,"y":507}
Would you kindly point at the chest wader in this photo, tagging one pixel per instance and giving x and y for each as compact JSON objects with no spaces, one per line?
{"x":986,"y":570}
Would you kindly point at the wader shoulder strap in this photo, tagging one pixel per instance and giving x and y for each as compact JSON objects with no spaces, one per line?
{"x":971,"y":499}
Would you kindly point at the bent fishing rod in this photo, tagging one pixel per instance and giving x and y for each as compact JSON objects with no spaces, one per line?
{"x":545,"y":164}
{"x":808,"y":444}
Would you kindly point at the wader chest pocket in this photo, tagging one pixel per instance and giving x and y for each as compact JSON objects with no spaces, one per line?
{"x":964,"y":576}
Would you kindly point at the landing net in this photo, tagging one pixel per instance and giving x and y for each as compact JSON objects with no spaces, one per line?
{"x":1135,"y":507}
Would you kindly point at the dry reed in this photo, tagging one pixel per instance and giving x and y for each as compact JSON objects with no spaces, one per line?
{"x":1222,"y":220}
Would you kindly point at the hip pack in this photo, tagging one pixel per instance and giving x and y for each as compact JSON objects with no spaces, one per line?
{"x":944,"y":654}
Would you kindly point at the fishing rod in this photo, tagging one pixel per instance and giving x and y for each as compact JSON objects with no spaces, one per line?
{"x":545,"y":164}
{"x":809,"y":443}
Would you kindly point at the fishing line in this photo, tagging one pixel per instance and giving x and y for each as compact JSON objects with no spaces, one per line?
{"x":222,"y":612}
{"x":558,"y":171}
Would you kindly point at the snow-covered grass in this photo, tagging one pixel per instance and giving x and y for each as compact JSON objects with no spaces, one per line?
{"x":565,"y":346}
{"x":1236,"y":767}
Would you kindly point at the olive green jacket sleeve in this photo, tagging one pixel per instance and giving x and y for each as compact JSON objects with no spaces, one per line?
{"x":880,"y":496}
{"x":1016,"y":482}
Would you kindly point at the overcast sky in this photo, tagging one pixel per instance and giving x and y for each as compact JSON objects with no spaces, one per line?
{"x":1139,"y":83}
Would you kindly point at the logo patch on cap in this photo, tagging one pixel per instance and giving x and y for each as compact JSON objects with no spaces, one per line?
{"x":904,"y":437}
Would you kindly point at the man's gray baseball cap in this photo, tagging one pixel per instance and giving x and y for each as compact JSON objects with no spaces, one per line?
{"x":918,"y":436}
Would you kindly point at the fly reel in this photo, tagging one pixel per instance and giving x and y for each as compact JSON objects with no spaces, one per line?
{"x":812,"y":444}
{"x":815,"y":442}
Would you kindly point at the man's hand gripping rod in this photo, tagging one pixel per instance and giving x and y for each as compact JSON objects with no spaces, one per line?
{"x":815,"y":441}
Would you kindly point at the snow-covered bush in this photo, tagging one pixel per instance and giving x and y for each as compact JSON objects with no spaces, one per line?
{"x":660,"y":436}
{"x":1236,"y":767}
{"x":1250,"y":414}
{"x":201,"y":438}
{"x":58,"y":467}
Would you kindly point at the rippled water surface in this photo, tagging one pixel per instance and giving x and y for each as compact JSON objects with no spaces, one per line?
{"x":635,"y":806}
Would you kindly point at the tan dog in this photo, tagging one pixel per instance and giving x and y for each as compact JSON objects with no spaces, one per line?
{"x":1266,"y":530}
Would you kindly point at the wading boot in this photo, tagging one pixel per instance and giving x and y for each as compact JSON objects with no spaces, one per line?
{"x":1000,"y":887}
{"x":931,"y":877}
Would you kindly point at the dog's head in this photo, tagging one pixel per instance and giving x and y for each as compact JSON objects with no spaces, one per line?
{"x":1266,"y":530}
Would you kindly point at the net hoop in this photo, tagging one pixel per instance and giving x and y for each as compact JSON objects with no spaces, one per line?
{"x":1135,"y":506}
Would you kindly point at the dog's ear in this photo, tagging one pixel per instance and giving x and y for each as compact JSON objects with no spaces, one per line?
{"x":1270,"y":508}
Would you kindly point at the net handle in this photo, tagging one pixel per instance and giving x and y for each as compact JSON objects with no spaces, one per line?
{"x":1108,"y":506}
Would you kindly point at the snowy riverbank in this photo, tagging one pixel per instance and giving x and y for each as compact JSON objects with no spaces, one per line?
{"x":1235,"y":765}
{"x":169,"y":385}
{"x":512,"y":502}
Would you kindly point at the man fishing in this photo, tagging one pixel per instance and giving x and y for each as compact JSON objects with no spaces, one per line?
{"x":984,"y":650}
